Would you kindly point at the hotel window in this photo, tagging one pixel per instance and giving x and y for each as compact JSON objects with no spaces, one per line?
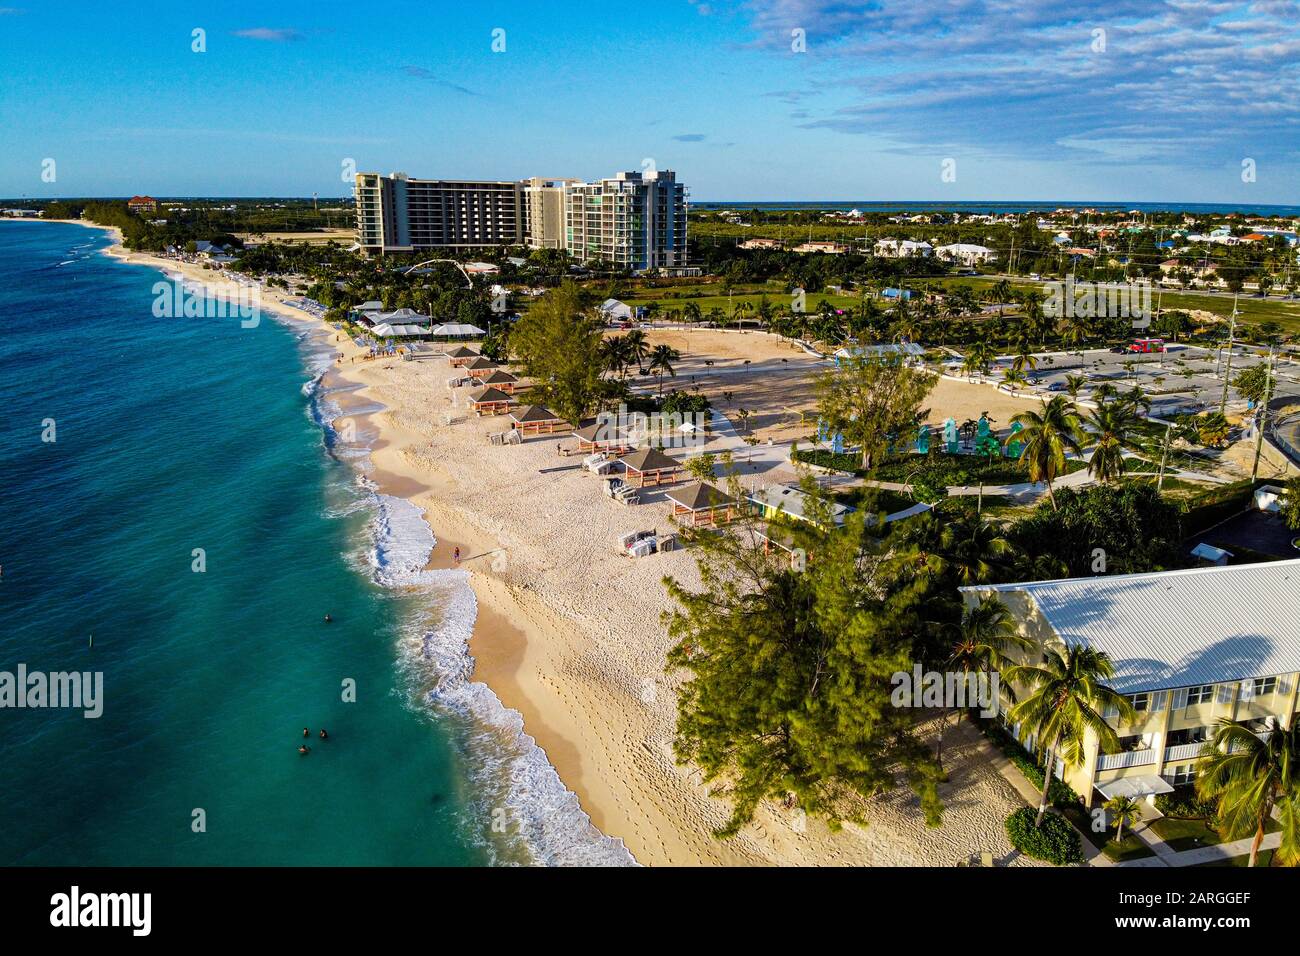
{"x":1264,"y":685}
{"x":1141,"y":702}
{"x":1200,"y":695}
{"x":1183,"y":775}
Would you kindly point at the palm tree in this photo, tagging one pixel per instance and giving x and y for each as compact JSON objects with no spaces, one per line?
{"x":1074,"y":385}
{"x":637,"y":347}
{"x":1014,"y":378}
{"x":979,"y":357}
{"x":1124,"y":811}
{"x":661,"y":363}
{"x":1248,"y":776}
{"x":615,"y":352}
{"x":1067,"y":700}
{"x":1046,"y":436}
{"x":972,"y":548}
{"x":1111,"y":425}
{"x":986,"y":632}
{"x":691,"y":312}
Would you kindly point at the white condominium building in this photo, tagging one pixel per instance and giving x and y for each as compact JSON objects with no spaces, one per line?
{"x":634,"y":221}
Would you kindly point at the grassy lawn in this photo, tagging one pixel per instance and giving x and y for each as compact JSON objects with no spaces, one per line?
{"x":1265,"y":859}
{"x":881,"y":499}
{"x":710,"y":295}
{"x":1130,"y":848}
{"x":1189,"y":834}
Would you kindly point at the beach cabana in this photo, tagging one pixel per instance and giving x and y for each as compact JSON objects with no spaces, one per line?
{"x":702,"y":506}
{"x":536,"y":420}
{"x":481,"y":367}
{"x":490,"y":401}
{"x":774,"y":539}
{"x":503,"y":380}
{"x":602,"y":436}
{"x":649,"y":466}
{"x":461,"y":356}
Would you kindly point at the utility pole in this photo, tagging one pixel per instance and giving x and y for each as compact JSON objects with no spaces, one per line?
{"x":1227,"y":369}
{"x":1164,"y":455}
{"x":1261,"y":415}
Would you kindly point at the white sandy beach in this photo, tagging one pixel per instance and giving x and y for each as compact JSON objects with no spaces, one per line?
{"x":569,"y":633}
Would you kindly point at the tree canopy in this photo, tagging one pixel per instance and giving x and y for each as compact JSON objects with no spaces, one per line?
{"x":558,"y":346}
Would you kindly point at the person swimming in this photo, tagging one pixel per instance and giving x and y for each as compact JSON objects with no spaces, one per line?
{"x":328,"y":618}
{"x":304,"y":750}
{"x":306,"y":732}
{"x":323,"y":735}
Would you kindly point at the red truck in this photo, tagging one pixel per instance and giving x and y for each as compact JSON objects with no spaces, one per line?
{"x":1147,"y":345}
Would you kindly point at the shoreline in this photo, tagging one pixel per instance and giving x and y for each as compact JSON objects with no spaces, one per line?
{"x":567,"y":632}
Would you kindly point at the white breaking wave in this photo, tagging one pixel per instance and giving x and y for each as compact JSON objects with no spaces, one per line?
{"x":519,"y":797}
{"x":532,"y":804}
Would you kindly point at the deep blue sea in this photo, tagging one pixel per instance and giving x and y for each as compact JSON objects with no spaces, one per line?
{"x":176,"y":434}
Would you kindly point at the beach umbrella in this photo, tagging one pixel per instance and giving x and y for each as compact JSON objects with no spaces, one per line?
{"x":923,"y":439}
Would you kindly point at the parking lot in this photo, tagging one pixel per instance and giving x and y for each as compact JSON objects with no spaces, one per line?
{"x":1184,"y":378}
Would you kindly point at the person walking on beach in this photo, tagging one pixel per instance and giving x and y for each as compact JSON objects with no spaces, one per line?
{"x":456,"y":557}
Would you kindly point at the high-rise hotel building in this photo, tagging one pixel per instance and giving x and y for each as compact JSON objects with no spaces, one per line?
{"x":399,"y":214}
{"x":634,"y":221}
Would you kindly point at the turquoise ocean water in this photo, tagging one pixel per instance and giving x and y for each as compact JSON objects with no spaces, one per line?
{"x":175,"y":434}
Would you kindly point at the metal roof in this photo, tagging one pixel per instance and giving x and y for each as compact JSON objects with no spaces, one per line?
{"x":1172,"y":629}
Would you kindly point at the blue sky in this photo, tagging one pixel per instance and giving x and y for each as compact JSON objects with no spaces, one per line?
{"x":1137,"y":100}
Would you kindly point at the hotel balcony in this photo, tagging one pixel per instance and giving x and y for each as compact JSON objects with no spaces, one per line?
{"x":1183,"y":752}
{"x":1130,"y":758}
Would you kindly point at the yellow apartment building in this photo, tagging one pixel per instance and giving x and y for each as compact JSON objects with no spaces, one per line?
{"x":1189,"y":647}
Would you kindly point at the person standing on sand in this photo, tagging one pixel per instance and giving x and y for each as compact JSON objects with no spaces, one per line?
{"x":456,"y":556}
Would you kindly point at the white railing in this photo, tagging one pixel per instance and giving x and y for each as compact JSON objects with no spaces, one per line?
{"x":1131,"y":758}
{"x":1183,"y":751}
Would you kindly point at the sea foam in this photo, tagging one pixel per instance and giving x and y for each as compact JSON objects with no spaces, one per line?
{"x":521,"y":811}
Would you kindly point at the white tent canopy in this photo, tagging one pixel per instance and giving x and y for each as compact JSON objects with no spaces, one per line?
{"x":1135,"y":787}
{"x":456,"y":329}
{"x":387,"y":331}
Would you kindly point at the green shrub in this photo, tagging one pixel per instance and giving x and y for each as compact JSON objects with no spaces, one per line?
{"x":1055,"y":841}
{"x":1183,"y":802}
{"x":1060,"y":794}
{"x":849,"y":464}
